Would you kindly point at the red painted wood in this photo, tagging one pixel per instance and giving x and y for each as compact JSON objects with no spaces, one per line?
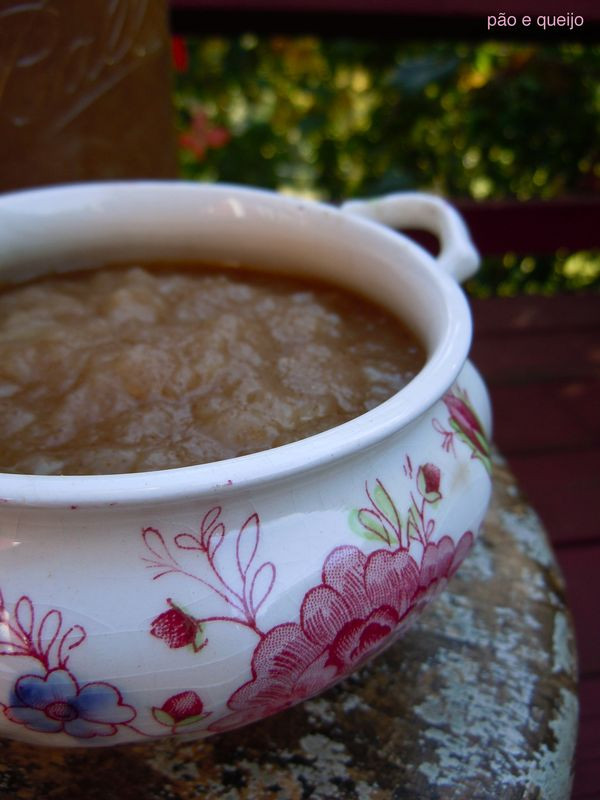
{"x":545,"y":416}
{"x":583,"y":399}
{"x":533,"y":419}
{"x":545,"y":226}
{"x":535,"y":226}
{"x":580,"y":569}
{"x":564,"y":488}
{"x":534,"y":313}
{"x":586,"y":785}
{"x":589,"y":698}
{"x":541,"y":357}
{"x":521,"y":356}
{"x":541,"y":360}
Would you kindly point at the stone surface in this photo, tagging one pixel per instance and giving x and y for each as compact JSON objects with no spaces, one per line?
{"x":477,"y":701}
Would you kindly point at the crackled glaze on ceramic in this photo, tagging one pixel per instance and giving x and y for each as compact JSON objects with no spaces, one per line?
{"x":194,"y":601}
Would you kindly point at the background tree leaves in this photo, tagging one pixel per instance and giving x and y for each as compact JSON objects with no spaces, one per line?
{"x":340,"y":118}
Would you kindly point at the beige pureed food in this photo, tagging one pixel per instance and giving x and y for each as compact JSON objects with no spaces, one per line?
{"x":131,"y":369}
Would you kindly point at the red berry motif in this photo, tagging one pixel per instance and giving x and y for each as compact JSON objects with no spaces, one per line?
{"x":183,"y":709}
{"x":428,"y":482}
{"x":178,"y":629}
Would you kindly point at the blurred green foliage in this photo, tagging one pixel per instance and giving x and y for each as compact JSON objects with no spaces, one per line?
{"x":339,"y":118}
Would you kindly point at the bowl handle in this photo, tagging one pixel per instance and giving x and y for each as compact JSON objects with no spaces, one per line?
{"x":418,"y":210}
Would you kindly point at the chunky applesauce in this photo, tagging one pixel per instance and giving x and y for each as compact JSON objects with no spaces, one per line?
{"x":130,"y":369}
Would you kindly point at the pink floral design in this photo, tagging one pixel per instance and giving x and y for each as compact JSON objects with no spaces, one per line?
{"x":359,"y":608}
{"x":178,"y":629}
{"x":180,"y":711}
{"x":45,"y":641}
{"x":55,"y":703}
{"x":363,"y":602}
{"x":440,"y":561}
{"x":243,"y":597}
{"x":382,"y":520}
{"x":428,"y":482}
{"x":465,"y":424}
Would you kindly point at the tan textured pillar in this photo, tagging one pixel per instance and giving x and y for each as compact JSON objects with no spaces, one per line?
{"x":85,"y":91}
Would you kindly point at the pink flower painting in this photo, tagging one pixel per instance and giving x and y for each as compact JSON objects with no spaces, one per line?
{"x":467,"y":426}
{"x":365,"y":598}
{"x":361,"y":606}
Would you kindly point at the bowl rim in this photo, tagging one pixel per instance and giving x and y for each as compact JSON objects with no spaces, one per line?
{"x":241,"y":473}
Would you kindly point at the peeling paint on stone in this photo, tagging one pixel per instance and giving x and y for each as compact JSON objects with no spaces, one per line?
{"x":354,"y":702}
{"x":320,"y":708}
{"x":525,"y":529}
{"x":480,"y":562}
{"x":552,"y":772}
{"x":328,"y":768}
{"x":563,"y":648}
{"x":484,"y":728}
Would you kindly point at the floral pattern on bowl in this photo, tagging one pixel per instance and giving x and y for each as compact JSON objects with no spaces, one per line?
{"x":367,"y":596}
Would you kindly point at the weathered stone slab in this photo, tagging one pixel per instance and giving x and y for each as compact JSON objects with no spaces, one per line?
{"x":478,"y":701}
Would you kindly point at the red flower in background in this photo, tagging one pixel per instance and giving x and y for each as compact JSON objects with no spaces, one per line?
{"x":179,"y":53}
{"x":203,"y":135}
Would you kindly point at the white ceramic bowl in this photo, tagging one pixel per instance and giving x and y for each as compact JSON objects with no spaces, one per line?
{"x":196,"y":600}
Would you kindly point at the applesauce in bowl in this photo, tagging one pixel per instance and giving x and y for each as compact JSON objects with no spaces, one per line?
{"x":137,"y":368}
{"x":197,"y":599}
